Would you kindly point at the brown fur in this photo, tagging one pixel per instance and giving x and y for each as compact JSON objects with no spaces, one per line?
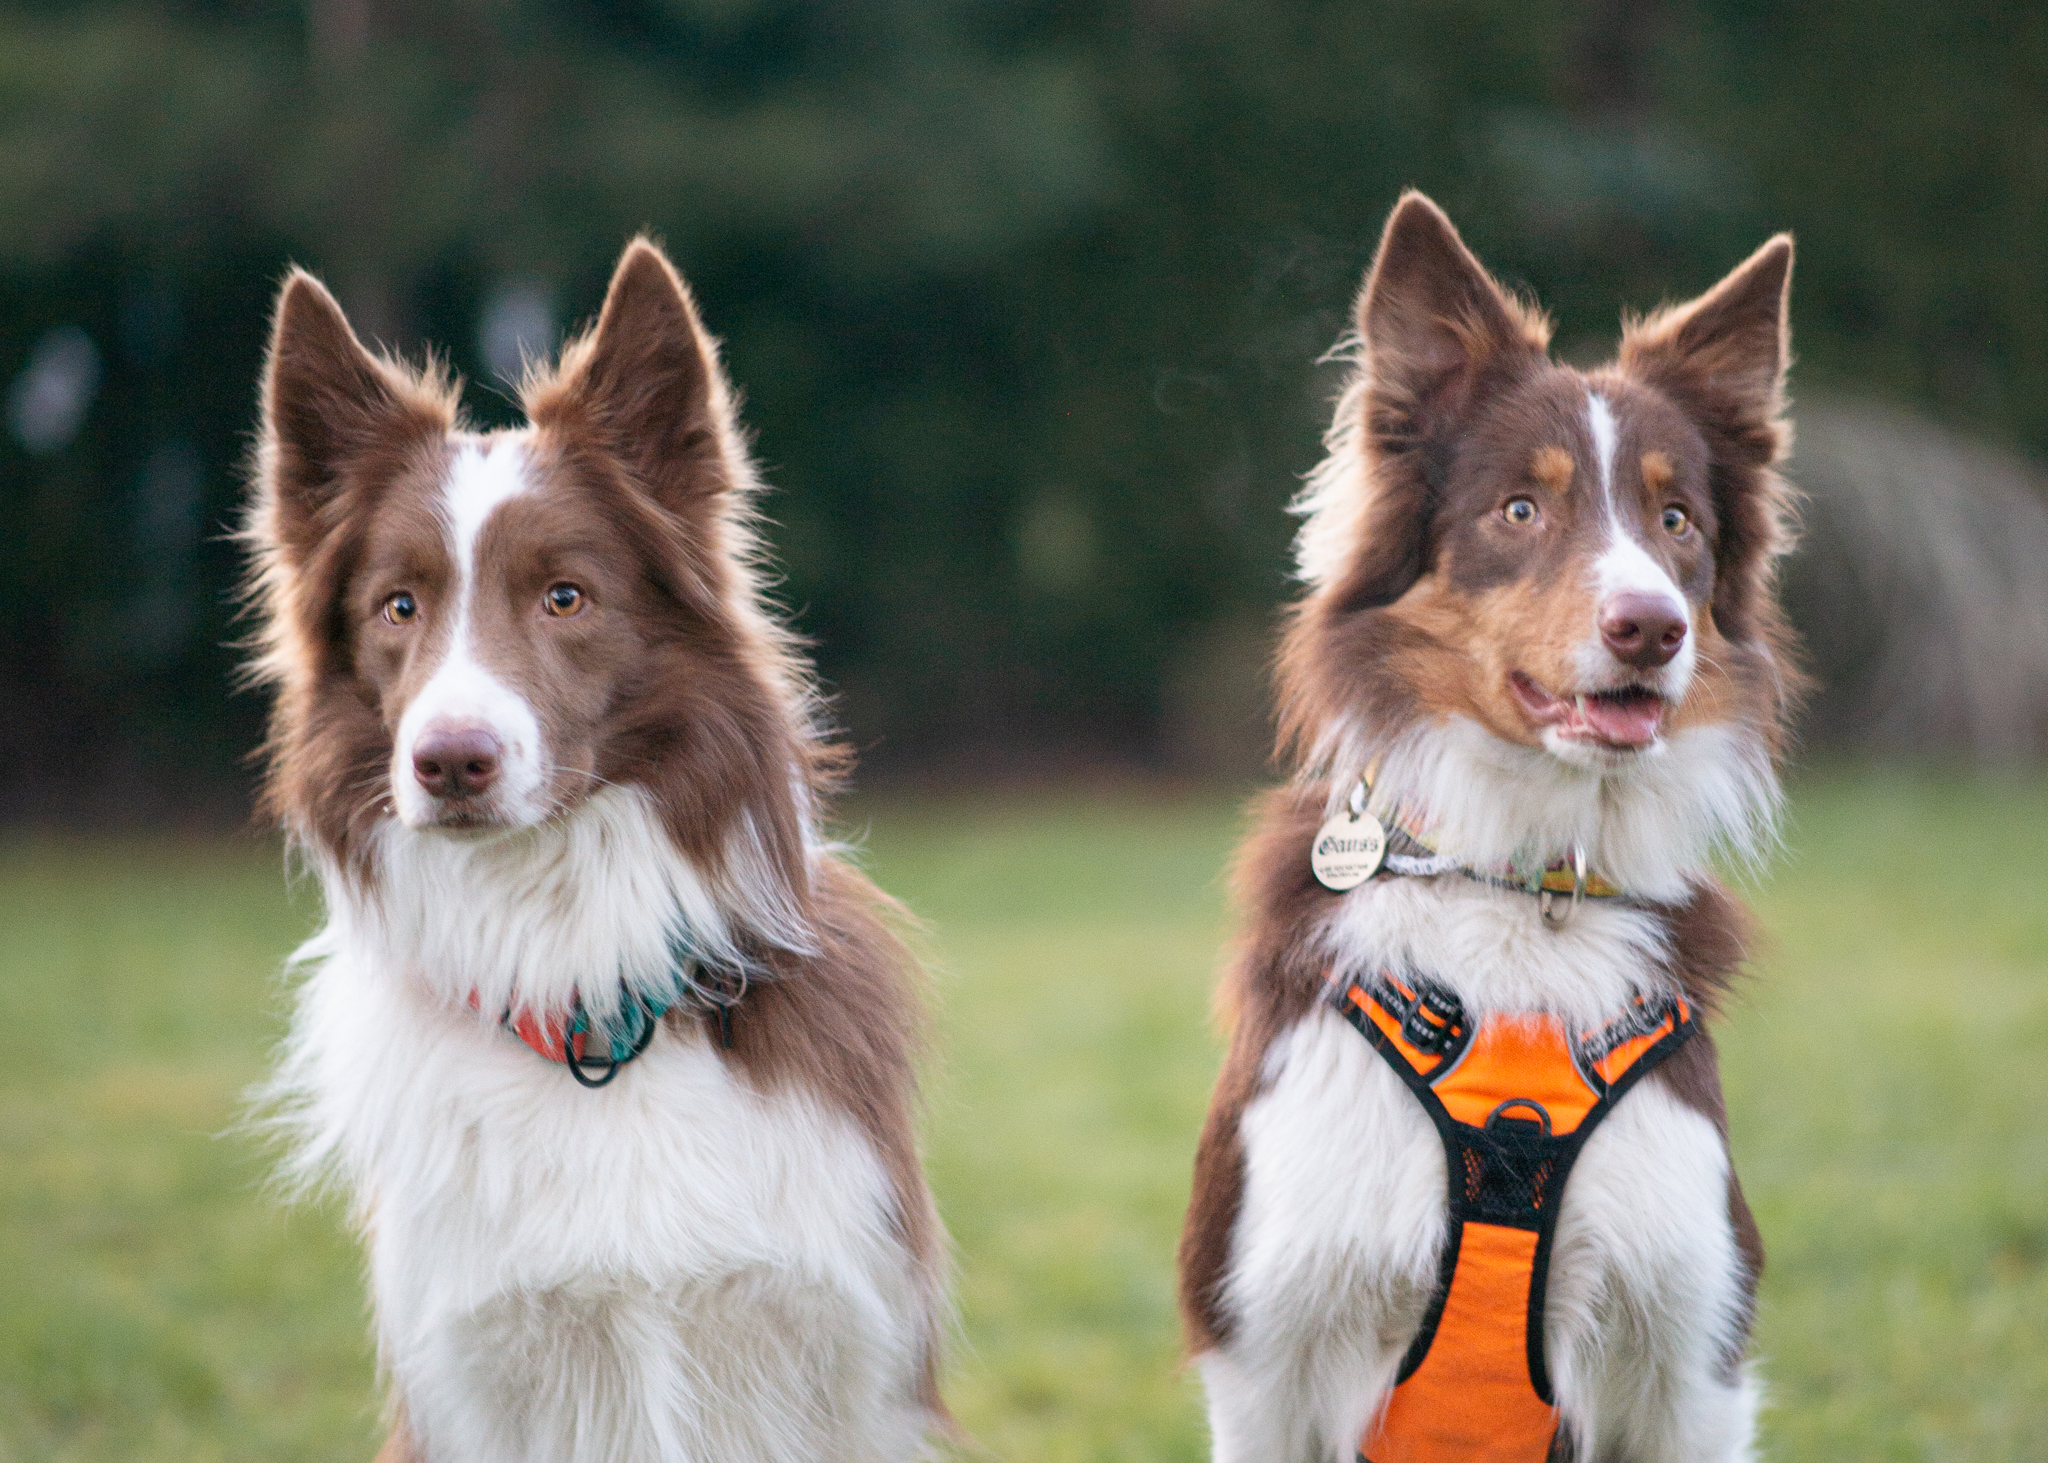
{"x":1721,"y":359}
{"x":640,"y":408}
{"x":1553,"y":468}
{"x":1270,"y":982}
{"x":1710,"y":937}
{"x":1456,"y":408}
{"x":688,"y":687}
{"x":340,"y":428}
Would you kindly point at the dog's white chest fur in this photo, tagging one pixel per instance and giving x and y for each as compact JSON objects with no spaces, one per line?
{"x":676,"y":1266}
{"x":1343,"y":1217}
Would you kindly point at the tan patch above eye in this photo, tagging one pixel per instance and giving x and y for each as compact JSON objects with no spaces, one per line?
{"x":1657,"y":471}
{"x":1552,"y":467}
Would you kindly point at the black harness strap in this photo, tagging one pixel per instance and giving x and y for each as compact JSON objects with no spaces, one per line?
{"x":1510,"y":1170}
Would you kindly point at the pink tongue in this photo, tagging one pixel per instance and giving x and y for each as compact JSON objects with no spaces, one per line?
{"x":1630,"y":723}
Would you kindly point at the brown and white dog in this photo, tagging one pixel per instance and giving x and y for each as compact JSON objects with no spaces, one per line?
{"x":1540,"y":613}
{"x":548,"y":752}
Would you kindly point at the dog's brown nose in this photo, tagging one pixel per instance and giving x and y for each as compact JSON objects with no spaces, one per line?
{"x":456,"y":762}
{"x":1643,"y":630}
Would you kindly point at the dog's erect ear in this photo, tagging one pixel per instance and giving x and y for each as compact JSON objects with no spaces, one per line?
{"x":1722,"y":359}
{"x":646,"y":381}
{"x":327,"y":400}
{"x":1432,"y":326}
{"x":1432,"y":322}
{"x":1723,"y":356}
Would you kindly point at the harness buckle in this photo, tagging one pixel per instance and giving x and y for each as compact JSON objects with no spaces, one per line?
{"x":1434,"y":1022}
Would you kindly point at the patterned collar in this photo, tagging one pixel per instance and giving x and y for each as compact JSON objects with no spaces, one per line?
{"x":594,"y":1051}
{"x":1410,"y":851}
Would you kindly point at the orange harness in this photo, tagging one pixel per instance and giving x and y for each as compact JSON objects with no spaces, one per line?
{"x":1514,"y":1101}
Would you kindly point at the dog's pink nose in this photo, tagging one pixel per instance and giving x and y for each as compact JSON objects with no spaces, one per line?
{"x":457,"y":761}
{"x":1643,"y":630}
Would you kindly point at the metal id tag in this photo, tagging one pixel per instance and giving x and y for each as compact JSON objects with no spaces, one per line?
{"x":1349,"y":847}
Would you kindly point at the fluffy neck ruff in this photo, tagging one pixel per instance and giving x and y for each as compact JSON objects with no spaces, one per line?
{"x":583,"y":905}
{"x":1649,"y":825}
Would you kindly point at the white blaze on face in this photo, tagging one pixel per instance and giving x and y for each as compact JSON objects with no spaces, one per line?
{"x":1625,"y":565}
{"x":462,"y":693}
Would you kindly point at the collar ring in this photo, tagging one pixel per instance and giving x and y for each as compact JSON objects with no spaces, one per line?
{"x":1546,"y":900}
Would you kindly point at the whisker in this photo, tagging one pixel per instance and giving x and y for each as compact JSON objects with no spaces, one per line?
{"x":580,"y":772}
{"x":1703,"y":658}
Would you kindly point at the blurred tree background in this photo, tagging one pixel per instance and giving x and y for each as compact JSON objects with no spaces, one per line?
{"x":1026,"y":298}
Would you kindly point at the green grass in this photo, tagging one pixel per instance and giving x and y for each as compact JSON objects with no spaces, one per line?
{"x":1886,"y":1073}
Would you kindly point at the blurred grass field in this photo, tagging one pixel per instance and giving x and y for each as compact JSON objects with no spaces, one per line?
{"x":1886,"y":1072}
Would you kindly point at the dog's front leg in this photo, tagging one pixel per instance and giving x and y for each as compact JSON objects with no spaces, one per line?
{"x":1714,"y":1423}
{"x":1257,"y":1413}
{"x":1676,"y":1392}
{"x":1653,"y":1281}
{"x":1700,"y":1418}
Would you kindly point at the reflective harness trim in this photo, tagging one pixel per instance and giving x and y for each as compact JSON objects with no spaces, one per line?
{"x":1514,"y":1101}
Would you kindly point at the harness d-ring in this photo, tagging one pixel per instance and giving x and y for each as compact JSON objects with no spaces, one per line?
{"x":1528,"y":1104}
{"x":1545,"y":899}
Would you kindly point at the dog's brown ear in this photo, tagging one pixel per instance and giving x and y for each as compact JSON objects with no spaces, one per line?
{"x":1723,"y":356}
{"x":1722,"y":359}
{"x":327,"y":403}
{"x":1433,"y":326}
{"x":646,"y":381}
{"x":1433,"y":322}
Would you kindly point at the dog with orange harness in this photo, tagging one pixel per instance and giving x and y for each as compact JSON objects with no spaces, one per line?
{"x":1464,"y":1193}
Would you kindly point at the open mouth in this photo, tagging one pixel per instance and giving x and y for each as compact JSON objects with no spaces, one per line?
{"x":1623,"y":717}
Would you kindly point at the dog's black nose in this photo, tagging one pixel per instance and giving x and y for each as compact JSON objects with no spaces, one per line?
{"x":1643,"y":630}
{"x":456,"y":762}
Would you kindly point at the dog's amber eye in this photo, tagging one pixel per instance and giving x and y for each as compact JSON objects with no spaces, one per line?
{"x":400,"y":607}
{"x":1520,"y":511}
{"x":1676,"y":521}
{"x":563,"y":599}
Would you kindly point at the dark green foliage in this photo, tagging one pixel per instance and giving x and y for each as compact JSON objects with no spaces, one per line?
{"x":1025,"y":296}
